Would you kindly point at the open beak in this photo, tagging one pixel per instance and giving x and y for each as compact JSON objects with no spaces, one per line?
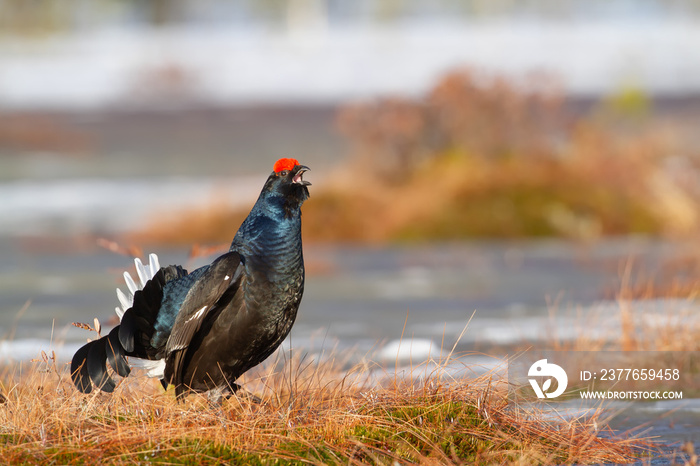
{"x":298,"y":176}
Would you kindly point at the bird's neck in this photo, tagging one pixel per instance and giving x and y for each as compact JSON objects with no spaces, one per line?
{"x":271,"y":249}
{"x":270,"y":228}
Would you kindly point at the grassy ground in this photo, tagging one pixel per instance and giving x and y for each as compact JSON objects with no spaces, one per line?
{"x":312,"y":409}
{"x":315,"y":414}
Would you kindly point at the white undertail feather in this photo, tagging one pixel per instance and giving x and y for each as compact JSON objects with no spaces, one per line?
{"x":145,"y":273}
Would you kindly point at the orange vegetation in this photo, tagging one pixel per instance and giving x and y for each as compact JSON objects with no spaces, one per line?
{"x":485,"y":157}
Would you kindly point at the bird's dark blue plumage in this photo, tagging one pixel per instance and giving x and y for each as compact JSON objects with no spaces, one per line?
{"x":213,"y":324}
{"x":174,"y":293}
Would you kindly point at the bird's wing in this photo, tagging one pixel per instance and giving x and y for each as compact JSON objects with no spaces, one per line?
{"x":223,"y":274}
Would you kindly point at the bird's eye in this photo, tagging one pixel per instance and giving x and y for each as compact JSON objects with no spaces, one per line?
{"x":284,"y":173}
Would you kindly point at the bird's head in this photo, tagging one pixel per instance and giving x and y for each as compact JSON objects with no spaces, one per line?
{"x":287,"y":180}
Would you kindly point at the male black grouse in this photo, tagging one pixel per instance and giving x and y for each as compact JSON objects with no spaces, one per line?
{"x":200,"y":331}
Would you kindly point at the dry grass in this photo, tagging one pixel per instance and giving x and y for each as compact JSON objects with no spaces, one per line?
{"x":673,"y":328}
{"x":653,"y":312}
{"x":678,"y":276}
{"x":311,"y":412}
{"x":481,"y":156}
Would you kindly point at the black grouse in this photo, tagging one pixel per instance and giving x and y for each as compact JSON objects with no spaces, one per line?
{"x":201,"y":330}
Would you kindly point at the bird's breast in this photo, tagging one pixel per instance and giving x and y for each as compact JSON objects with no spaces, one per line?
{"x":274,"y":273}
{"x":275,"y":280}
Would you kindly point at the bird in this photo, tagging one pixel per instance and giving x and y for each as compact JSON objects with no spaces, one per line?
{"x":200,"y":331}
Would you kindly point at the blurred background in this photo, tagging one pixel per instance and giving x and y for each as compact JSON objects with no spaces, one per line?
{"x":528,"y":162}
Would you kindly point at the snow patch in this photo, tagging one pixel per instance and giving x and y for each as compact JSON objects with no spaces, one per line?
{"x":414,"y":349}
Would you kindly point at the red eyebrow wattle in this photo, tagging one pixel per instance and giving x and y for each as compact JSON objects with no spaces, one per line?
{"x":285,"y":164}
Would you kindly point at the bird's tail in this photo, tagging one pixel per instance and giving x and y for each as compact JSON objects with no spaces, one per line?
{"x":137,"y":312}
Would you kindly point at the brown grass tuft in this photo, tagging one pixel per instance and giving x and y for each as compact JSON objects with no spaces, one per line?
{"x":482,"y":156}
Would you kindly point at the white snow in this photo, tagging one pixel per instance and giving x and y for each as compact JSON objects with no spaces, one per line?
{"x":99,"y":204}
{"x":249,"y":65}
{"x":415,"y":349}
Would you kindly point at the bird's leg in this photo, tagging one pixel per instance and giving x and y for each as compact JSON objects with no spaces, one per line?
{"x":235,"y":389}
{"x":217,"y":395}
{"x":254,"y":398}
